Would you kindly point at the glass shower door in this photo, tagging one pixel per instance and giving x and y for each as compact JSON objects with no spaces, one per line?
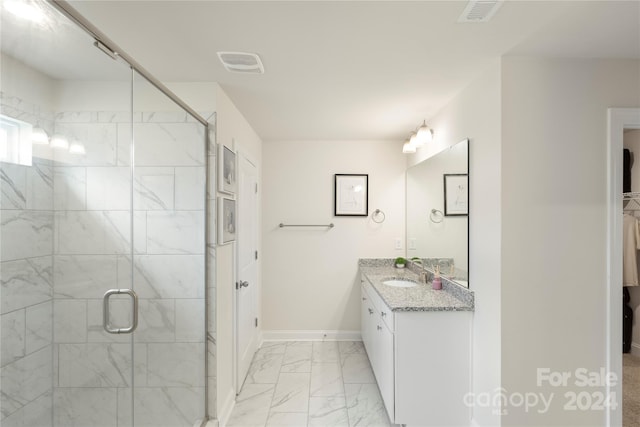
{"x":94,"y":307}
{"x":169,"y":261}
{"x":102,"y":216}
{"x":65,"y":226}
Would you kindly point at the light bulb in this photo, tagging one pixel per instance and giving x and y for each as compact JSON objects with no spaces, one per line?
{"x":424,"y":135}
{"x":413,"y":140}
{"x":407,"y":148}
{"x":59,"y":141}
{"x":39,"y":136}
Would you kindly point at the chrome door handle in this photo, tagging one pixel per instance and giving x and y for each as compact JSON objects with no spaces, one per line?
{"x":106,"y":322}
{"x":243,"y":284}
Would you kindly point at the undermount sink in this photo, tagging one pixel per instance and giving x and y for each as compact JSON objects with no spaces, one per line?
{"x":400,"y":283}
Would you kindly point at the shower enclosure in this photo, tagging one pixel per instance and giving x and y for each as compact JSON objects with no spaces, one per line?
{"x":102,"y":236}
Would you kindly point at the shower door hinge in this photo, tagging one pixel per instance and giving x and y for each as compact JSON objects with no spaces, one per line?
{"x":256,"y":322}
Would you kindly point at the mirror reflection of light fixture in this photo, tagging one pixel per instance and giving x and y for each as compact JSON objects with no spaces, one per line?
{"x":77,"y":147}
{"x":59,"y":141}
{"x":39,"y":136}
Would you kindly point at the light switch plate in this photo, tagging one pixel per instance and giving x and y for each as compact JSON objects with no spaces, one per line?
{"x":398,"y":243}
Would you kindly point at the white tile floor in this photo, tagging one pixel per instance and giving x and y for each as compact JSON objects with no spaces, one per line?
{"x":310,"y":384}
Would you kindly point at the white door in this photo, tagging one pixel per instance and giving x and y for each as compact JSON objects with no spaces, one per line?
{"x":246,"y":288}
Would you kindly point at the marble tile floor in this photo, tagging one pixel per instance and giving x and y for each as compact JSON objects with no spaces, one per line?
{"x":305,"y":384}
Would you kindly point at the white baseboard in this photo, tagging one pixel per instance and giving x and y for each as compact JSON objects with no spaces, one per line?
{"x":227,"y":407}
{"x":318,"y":335}
{"x":635,"y":349}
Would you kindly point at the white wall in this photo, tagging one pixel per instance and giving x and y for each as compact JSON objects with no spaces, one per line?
{"x":632,"y":142}
{"x":554,"y":183}
{"x":475,"y":114}
{"x":310,"y":276}
{"x":231,"y":126}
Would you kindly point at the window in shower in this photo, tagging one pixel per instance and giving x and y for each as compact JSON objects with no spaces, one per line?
{"x":15,"y":141}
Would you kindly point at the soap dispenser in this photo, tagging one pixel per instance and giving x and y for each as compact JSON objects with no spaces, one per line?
{"x":436,"y":283}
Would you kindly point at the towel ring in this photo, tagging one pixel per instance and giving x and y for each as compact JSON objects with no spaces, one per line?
{"x":435,"y":214}
{"x":376,"y":216}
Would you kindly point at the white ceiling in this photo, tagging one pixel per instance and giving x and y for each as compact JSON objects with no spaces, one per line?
{"x":353,"y":69}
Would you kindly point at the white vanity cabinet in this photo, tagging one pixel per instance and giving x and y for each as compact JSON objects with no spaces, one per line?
{"x":378,"y":341}
{"x":421,"y":361}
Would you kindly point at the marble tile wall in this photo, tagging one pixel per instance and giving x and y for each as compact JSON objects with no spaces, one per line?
{"x":94,"y":371}
{"x":26,"y":280}
{"x":65,"y":240}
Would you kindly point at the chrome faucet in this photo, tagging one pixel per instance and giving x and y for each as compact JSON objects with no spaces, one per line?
{"x":423,"y":275}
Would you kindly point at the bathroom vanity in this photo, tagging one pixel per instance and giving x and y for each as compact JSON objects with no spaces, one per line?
{"x":419,"y":344}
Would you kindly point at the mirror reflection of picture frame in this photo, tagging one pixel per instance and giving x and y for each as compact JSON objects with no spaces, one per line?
{"x":456,"y":194}
{"x":227,"y":175}
{"x":351,"y":195}
{"x":227,"y":220}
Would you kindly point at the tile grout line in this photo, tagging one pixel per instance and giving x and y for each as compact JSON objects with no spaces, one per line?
{"x":310,"y":378}
{"x":344,"y":389}
{"x":275,"y":386}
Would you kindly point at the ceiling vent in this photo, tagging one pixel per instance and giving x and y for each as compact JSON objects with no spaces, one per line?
{"x":480,"y":10}
{"x":241,"y":62}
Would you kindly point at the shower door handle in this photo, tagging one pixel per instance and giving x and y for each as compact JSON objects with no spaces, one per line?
{"x":106,"y":322}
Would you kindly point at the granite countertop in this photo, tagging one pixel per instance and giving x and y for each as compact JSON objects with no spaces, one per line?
{"x":422,"y":297}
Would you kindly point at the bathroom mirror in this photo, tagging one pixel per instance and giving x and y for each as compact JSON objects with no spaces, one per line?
{"x":437,"y":212}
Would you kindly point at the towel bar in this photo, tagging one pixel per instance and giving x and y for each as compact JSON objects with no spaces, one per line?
{"x":281,"y":225}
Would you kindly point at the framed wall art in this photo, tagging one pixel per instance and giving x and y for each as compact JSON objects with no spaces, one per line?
{"x":456,"y":194}
{"x":227,"y":179}
{"x":227,"y":225}
{"x":351,"y":195}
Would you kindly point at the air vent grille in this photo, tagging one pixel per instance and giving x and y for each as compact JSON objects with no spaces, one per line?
{"x":241,"y":62}
{"x":480,"y":10}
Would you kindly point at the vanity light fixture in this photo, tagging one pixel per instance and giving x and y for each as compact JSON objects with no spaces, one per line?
{"x":407,"y":147}
{"x":418,"y":139}
{"x":59,"y":141}
{"x":39,"y":136}
{"x":424,"y":135}
{"x":413,"y":140}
